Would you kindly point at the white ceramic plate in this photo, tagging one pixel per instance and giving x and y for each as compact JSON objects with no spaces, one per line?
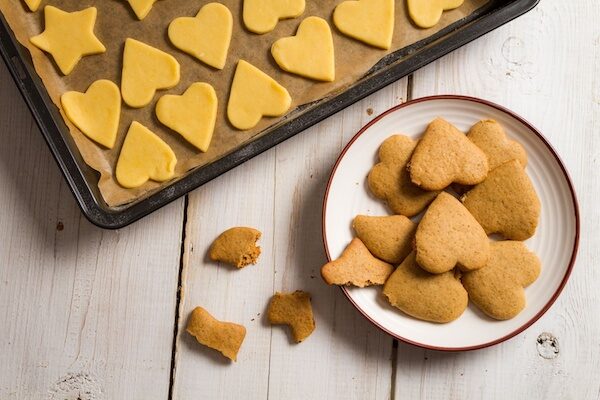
{"x":555,"y":241}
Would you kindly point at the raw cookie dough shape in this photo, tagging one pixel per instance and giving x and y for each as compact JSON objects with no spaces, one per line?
{"x":225,"y":337}
{"x":144,"y":156}
{"x":192,"y":114}
{"x":68,"y":36}
{"x":205,"y":36}
{"x":141,"y":8}
{"x":96,"y":112}
{"x":309,"y":53}
{"x":261,"y":16}
{"x":253,"y":95}
{"x":146,"y":70}
{"x":295,"y":310}
{"x":370,"y":21}
{"x":32,"y":4}
{"x":388,"y":238}
{"x":490,"y":137}
{"x":427,"y":13}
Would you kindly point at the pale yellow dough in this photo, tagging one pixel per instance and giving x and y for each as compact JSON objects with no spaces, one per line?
{"x":253,"y":95}
{"x":309,"y":53}
{"x":192,"y":114}
{"x":141,"y":8}
{"x":144,"y":156}
{"x":370,"y":21}
{"x":261,"y":16}
{"x":206,"y":36}
{"x":96,"y":112}
{"x":427,"y":13}
{"x":68,"y":36}
{"x":146,"y":70}
{"x":33,"y":4}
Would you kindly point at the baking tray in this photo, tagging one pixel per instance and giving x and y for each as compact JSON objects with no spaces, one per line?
{"x":83,"y":180}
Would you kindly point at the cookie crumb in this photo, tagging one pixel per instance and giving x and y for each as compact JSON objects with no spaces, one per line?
{"x":369,"y":111}
{"x":60,"y":226}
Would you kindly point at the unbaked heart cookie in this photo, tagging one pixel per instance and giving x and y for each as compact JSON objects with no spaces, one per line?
{"x":497,"y":289}
{"x":490,"y":137}
{"x":261,"y":16}
{"x":144,"y":156}
{"x":370,"y":21}
{"x":141,"y":8}
{"x":309,"y":53}
{"x":506,"y":202}
{"x":388,"y":238}
{"x":449,"y":236}
{"x":445,"y":155}
{"x":192,"y":114}
{"x":427,"y":13}
{"x":96,"y":112}
{"x":32,"y":4}
{"x":206,"y":36}
{"x":431,"y":297}
{"x":146,"y":70}
{"x":253,"y":95}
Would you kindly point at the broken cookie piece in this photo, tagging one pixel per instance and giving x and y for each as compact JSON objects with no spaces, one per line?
{"x":295,"y":310}
{"x":225,"y":337}
{"x":236,"y":246}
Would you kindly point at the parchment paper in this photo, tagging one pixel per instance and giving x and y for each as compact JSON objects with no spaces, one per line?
{"x":116,"y":22}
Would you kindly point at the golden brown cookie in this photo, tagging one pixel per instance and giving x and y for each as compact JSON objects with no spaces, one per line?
{"x":225,"y":337}
{"x":356,"y":267}
{"x":294,"y":310}
{"x":389,"y":180}
{"x":236,"y":246}
{"x":387,"y":238}
{"x":449,"y":236}
{"x":444,"y":155}
{"x":506,"y":202}
{"x":430,"y":297}
{"x":490,"y":137}
{"x":497,"y":289}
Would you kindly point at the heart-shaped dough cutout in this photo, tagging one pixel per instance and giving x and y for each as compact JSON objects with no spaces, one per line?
{"x":144,"y":156}
{"x":32,"y":4}
{"x":388,"y":238}
{"x":497,"y":289}
{"x":261,"y":16}
{"x":141,"y":8}
{"x":192,"y":114}
{"x":445,"y":155}
{"x":490,"y":137}
{"x":427,"y":13}
{"x":96,"y":112}
{"x":370,"y":21}
{"x":253,"y":95}
{"x":206,"y":36}
{"x":146,"y":70}
{"x":431,"y":297}
{"x":506,"y":202}
{"x":449,"y":236}
{"x":390,"y":181}
{"x":309,"y":53}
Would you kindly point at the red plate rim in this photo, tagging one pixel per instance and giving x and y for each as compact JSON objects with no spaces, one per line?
{"x":565,"y":174}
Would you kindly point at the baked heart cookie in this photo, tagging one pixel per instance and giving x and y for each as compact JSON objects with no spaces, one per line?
{"x":254,"y":95}
{"x":389,"y":180}
{"x":506,"y":202}
{"x":96,"y":112}
{"x":144,"y":156}
{"x":369,"y":21}
{"x":309,"y":53}
{"x":490,"y":137}
{"x":141,"y":8}
{"x":206,"y":36}
{"x":445,"y":155}
{"x":449,"y":236}
{"x":431,"y":297}
{"x":356,"y":267}
{"x":192,"y":115}
{"x":261,"y":16}
{"x":427,"y":13}
{"x":388,"y":238}
{"x":497,"y":289}
{"x":146,"y":70}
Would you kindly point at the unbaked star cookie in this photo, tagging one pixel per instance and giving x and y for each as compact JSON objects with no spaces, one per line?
{"x":141,"y":8}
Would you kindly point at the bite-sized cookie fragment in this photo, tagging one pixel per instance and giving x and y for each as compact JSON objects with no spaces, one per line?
{"x":506,"y":202}
{"x":141,"y":8}
{"x":490,"y":137}
{"x":445,"y":155}
{"x":295,"y":310}
{"x":388,"y":238}
{"x":427,"y":13}
{"x":68,"y":36}
{"x":430,"y":297}
{"x":497,"y":289}
{"x":356,"y":267}
{"x":225,"y":337}
{"x":370,"y":21}
{"x":261,"y":16}
{"x":236,"y":246}
{"x":390,"y":181}
{"x":449,"y":236}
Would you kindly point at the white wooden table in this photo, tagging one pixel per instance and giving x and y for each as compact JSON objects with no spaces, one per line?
{"x":93,"y":314}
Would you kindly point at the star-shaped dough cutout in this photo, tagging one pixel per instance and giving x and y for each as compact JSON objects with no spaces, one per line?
{"x":68,"y":36}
